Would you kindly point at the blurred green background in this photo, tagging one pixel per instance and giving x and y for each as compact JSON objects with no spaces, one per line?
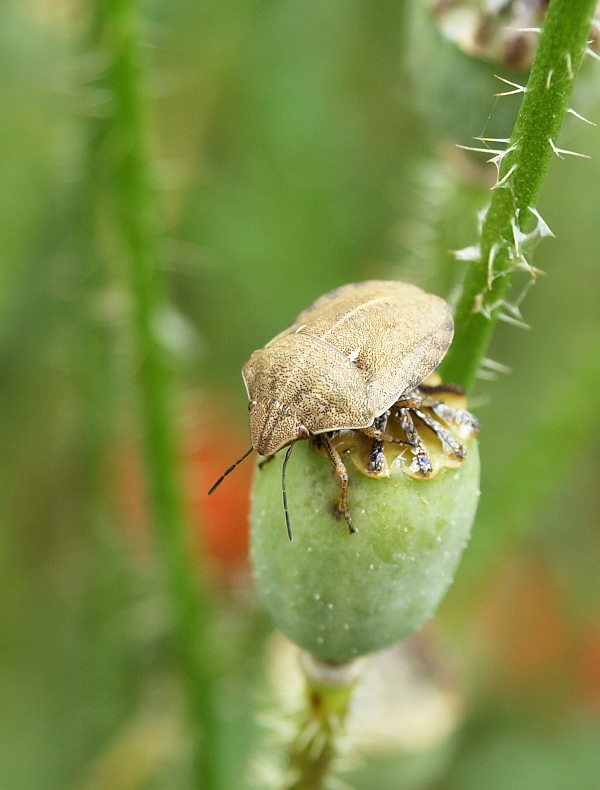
{"x":297,"y":145}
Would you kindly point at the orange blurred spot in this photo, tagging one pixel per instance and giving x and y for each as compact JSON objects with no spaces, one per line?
{"x":590,"y":669}
{"x":210,"y":446}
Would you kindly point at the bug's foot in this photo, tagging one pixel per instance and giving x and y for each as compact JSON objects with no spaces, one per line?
{"x":352,"y":529}
{"x":462,"y":422}
{"x":442,"y":389}
{"x":376,"y":460}
{"x":421,"y":465}
{"x":338,"y":513}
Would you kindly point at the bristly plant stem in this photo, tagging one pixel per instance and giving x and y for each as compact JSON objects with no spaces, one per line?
{"x":124,"y":164}
{"x":503,"y":242}
{"x":314,"y":749}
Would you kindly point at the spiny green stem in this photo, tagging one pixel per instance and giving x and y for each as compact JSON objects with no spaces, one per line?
{"x":125,"y":165}
{"x":314,"y":749}
{"x":522,"y":171}
{"x":328,"y":692}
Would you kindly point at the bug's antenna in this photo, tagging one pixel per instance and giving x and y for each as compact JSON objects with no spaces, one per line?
{"x":284,"y":491}
{"x":228,"y":471}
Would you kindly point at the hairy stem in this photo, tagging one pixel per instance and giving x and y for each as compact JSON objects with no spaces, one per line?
{"x":313,"y":750}
{"x":328,"y":692}
{"x":124,"y":163}
{"x":504,"y":245}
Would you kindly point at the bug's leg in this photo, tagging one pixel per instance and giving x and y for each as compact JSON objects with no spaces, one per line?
{"x":416,"y":400}
{"x":373,"y":433}
{"x":376,"y":460}
{"x":440,"y":389}
{"x":376,"y":457}
{"x":421,"y":462}
{"x":375,"y":464}
{"x":342,"y":473}
{"x":462,"y":420}
{"x":450,"y":444}
{"x":465,"y":425}
{"x":378,"y":433}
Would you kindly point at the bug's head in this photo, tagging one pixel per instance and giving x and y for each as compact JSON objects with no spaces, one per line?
{"x":273,"y":425}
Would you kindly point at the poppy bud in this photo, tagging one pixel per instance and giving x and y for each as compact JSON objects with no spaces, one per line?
{"x":340,"y":595}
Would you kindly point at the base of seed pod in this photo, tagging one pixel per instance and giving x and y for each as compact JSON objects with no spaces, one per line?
{"x":406,"y":705}
{"x":341,"y":595}
{"x":323,"y":673}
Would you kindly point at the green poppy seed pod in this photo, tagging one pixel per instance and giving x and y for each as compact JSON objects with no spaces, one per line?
{"x":340,"y":595}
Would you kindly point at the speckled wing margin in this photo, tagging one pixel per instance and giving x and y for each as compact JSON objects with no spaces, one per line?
{"x":393,"y":332}
{"x":344,"y":361}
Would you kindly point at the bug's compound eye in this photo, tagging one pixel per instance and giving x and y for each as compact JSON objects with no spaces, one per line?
{"x":251,"y":405}
{"x":303,"y":432}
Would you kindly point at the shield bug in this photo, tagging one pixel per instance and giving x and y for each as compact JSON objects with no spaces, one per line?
{"x":342,"y":365}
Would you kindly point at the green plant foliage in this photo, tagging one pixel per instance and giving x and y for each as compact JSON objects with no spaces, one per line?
{"x":512,"y":225}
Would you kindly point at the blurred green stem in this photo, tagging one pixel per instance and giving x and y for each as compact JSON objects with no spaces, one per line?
{"x":125,"y":157}
{"x":522,"y":170}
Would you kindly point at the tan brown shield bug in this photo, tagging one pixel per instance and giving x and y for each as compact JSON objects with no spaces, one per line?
{"x":342,"y":365}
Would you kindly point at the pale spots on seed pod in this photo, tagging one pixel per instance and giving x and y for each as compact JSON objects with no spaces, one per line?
{"x":384,"y":589}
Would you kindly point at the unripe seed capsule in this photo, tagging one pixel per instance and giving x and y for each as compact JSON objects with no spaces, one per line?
{"x":339,"y":595}
{"x":353,"y":375}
